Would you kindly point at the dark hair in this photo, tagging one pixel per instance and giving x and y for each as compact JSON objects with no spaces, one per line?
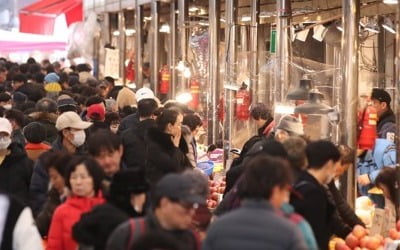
{"x":56,"y":160}
{"x":24,"y":67}
{"x":31,"y":60}
{"x":83,"y":67}
{"x":192,"y":121}
{"x":111,"y":117}
{"x":94,"y":100}
{"x":347,"y":155}
{"x":93,"y":168}
{"x":38,"y":77}
{"x":35,"y":132}
{"x":320,"y":152}
{"x":20,"y":78}
{"x":146,"y":107}
{"x":388,"y":177}
{"x":183,"y":108}
{"x":103,"y":139}
{"x":110,"y":80}
{"x":259,"y":111}
{"x":262,"y":174}
{"x":166,"y":117}
{"x":17,"y":116}
{"x":47,"y":105}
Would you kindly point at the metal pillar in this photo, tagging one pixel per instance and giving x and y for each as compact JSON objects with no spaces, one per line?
{"x":231,"y":8}
{"x":255,"y":20}
{"x":397,"y":102}
{"x":183,"y":6}
{"x":154,"y":34}
{"x":381,"y":61}
{"x":350,"y":19}
{"x":138,"y":45}
{"x":213,"y":69}
{"x":172,"y":47}
{"x":336,"y":93}
{"x":282,"y":73}
{"x":121,"y":45}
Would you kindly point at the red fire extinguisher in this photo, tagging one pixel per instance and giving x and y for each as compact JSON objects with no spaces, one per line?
{"x":130,"y":71}
{"x":367,"y":120}
{"x":195,"y":91}
{"x":243,"y":103}
{"x":164,"y":80}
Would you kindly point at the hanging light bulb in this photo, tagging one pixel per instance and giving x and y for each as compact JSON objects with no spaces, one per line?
{"x":314,"y":105}
{"x":180,"y":66}
{"x":390,"y":1}
{"x":301,"y":92}
{"x":184,"y":97}
{"x":187,"y":73}
{"x":165,"y":28}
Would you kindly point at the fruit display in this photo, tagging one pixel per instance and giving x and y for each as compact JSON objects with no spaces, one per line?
{"x":216,"y":190}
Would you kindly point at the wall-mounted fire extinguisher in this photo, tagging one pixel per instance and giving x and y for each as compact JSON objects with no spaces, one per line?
{"x":243,"y":103}
{"x":130,"y":71}
{"x":366,"y":133}
{"x":195,"y":91}
{"x":164,"y":80}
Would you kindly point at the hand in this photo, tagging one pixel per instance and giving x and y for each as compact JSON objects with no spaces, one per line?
{"x":176,"y":139}
{"x":363,"y":180}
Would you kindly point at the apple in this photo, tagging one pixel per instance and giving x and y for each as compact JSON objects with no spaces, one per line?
{"x":374,"y":243}
{"x":393,"y":233}
{"x":352,"y":241}
{"x":221,"y":190}
{"x":359,"y":231}
{"x":398,"y":225}
{"x":341,"y":246}
{"x":215,"y":196}
{"x":364,"y":241}
{"x":388,"y":240}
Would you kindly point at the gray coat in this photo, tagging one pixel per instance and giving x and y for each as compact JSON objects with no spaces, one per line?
{"x":253,"y":226}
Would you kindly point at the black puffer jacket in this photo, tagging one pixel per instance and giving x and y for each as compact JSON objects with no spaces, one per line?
{"x":162,"y":157}
{"x":133,"y":140}
{"x":15,"y":172}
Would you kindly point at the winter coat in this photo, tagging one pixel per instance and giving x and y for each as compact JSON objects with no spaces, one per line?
{"x":18,"y":137}
{"x":130,"y":121}
{"x":134,"y":142}
{"x":48,"y":120}
{"x":97,"y":125}
{"x":40,"y":178}
{"x":249,"y":227}
{"x":34,"y":92}
{"x":94,"y":227}
{"x":43,"y":219}
{"x":34,"y":150}
{"x":310,"y":200}
{"x":119,"y":239}
{"x":387,"y":126}
{"x":191,"y":145}
{"x":162,"y":157}
{"x":371,"y":163}
{"x":15,"y":172}
{"x":346,"y":213}
{"x":65,"y":216}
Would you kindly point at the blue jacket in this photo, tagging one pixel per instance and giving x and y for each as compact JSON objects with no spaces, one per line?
{"x":383,"y":155}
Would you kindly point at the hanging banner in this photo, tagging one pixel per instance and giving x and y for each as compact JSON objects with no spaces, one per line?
{"x":111,"y":65}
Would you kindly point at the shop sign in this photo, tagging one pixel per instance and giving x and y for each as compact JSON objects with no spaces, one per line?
{"x":111,"y":65}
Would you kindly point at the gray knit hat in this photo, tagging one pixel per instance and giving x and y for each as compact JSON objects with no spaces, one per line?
{"x":290,"y":124}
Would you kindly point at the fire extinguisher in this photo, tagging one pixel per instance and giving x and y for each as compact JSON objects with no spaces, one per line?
{"x":195,"y":91}
{"x":164,"y":80}
{"x":243,"y":103}
{"x":130,"y":71}
{"x":367,"y":120}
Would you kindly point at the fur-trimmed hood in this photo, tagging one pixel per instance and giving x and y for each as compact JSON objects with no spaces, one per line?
{"x":44,"y":116}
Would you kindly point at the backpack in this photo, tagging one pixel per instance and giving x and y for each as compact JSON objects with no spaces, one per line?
{"x":138,"y":227}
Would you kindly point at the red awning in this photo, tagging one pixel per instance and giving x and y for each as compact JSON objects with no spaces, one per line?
{"x":39,"y":18}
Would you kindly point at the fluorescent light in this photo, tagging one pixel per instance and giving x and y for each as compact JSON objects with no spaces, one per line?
{"x":246,"y":18}
{"x":165,"y":28}
{"x":390,"y":1}
{"x":180,"y":66}
{"x":115,"y":33}
{"x":187,"y":73}
{"x":388,"y":25}
{"x":184,"y":97}
{"x":193,"y":9}
{"x":284,"y":109}
{"x":130,"y":32}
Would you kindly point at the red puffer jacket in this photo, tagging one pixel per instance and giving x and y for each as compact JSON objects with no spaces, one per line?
{"x":65,"y":216}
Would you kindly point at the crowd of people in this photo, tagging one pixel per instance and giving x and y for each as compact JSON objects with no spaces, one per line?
{"x":86,"y":164}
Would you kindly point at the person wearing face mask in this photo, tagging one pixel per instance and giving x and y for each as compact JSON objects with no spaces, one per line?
{"x":5,"y":101}
{"x":71,"y":138}
{"x":311,"y":199}
{"x":15,"y":166}
{"x":163,"y":152}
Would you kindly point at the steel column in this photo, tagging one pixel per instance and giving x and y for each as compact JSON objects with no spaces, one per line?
{"x":255,"y":20}
{"x":183,"y":6}
{"x":172,"y":47}
{"x":154,"y":34}
{"x":121,"y":45}
{"x":138,"y":45}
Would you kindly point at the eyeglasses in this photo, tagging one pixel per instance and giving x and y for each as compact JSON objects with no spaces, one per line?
{"x":186,"y":205}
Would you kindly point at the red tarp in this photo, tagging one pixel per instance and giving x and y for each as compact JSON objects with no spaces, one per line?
{"x":39,"y":18}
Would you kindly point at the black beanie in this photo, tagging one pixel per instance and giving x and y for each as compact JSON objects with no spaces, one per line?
{"x":127,"y":182}
{"x":35,"y":132}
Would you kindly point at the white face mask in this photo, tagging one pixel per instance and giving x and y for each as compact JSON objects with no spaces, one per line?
{"x":114,"y":128}
{"x":7,"y":106}
{"x":5,"y":141}
{"x":79,"y":138}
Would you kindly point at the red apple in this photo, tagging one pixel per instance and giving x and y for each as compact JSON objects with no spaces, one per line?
{"x":393,"y":233}
{"x":341,"y":246}
{"x":374,"y":243}
{"x":215,"y":196}
{"x":398,"y":225}
{"x":388,"y":240}
{"x":359,"y":231}
{"x":352,"y":241}
{"x":364,"y":241}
